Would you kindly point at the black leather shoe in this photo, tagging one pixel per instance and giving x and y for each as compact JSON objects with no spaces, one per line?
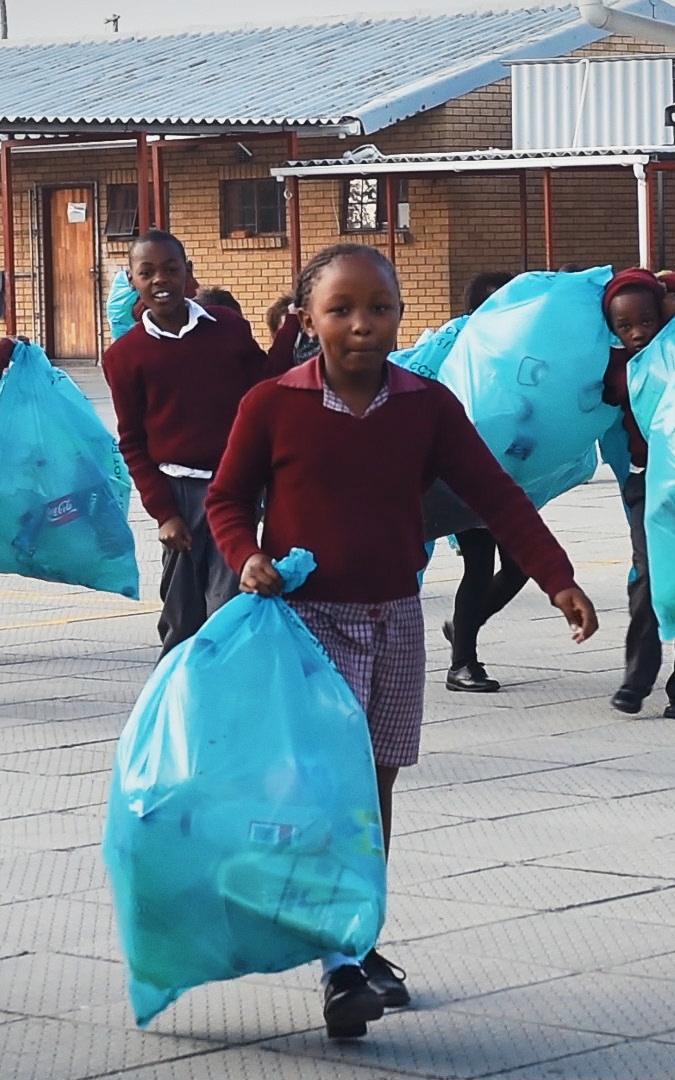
{"x":472,"y":677}
{"x":627,"y":700}
{"x":349,"y":1002}
{"x":387,"y":979}
{"x":669,"y":711}
{"x":448,"y":629}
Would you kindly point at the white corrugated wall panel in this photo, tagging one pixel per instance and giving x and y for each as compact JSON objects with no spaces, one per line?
{"x":577,"y":104}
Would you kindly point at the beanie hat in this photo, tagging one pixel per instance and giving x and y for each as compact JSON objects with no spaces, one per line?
{"x":635,"y":278}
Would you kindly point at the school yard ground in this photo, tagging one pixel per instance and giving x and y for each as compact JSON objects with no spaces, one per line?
{"x":532,"y":876}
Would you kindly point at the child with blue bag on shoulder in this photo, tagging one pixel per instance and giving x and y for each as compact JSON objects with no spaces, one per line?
{"x":345,"y":446}
{"x":636,"y":305}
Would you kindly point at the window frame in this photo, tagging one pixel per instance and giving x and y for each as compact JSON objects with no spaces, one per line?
{"x":253,"y":189}
{"x":380,"y":203}
{"x":128,"y":227}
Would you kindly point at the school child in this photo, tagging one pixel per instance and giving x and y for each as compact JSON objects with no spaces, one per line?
{"x":176,"y":380}
{"x":345,"y":444}
{"x":305,"y":346}
{"x":481,"y":593}
{"x":633,"y":307}
{"x":6,"y":350}
{"x":214,"y":295}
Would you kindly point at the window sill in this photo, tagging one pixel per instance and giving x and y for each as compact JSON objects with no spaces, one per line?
{"x":230,"y":243}
{"x":377,"y":238}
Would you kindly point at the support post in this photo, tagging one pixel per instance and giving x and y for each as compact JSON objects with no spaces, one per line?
{"x":548,"y":219}
{"x":643,"y":214}
{"x":660,"y":220}
{"x":157,"y":158}
{"x":523,"y":221}
{"x":651,"y":188}
{"x":8,"y":235}
{"x":392,"y":212}
{"x":293,"y":208}
{"x":143,"y":180}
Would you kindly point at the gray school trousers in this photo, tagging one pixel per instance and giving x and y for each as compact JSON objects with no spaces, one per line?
{"x":194,"y":583}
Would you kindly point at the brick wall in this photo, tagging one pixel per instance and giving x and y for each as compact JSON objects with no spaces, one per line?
{"x":460,"y":224}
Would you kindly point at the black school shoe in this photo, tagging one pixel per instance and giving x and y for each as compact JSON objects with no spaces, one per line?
{"x":627,"y":700}
{"x":473,"y":678}
{"x":669,"y":711}
{"x":387,"y":979}
{"x":349,"y":1003}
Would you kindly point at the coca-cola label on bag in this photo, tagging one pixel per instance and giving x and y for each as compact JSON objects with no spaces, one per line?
{"x":61,"y":511}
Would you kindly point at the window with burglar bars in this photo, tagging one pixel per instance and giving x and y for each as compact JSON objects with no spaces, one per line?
{"x":122,"y":217}
{"x":252,"y":207}
{"x":364,"y":204}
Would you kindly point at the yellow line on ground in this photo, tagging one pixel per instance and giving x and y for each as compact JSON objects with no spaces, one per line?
{"x":79,"y":618}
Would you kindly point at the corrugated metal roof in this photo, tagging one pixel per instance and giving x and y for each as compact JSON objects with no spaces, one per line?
{"x":360,"y":74}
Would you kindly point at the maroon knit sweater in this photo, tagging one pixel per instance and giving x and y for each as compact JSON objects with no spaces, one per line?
{"x":350,"y":489}
{"x":176,"y":398}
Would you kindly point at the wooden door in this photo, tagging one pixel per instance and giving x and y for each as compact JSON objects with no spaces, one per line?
{"x":71,"y":273}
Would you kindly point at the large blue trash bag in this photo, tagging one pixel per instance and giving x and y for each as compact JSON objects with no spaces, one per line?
{"x":431,"y":349}
{"x":119,"y":306}
{"x":528,"y":367}
{"x":651,"y":385}
{"x":64,"y":487}
{"x":243,"y":829}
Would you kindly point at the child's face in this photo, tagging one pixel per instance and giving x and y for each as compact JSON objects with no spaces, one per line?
{"x":635,"y":318}
{"x":157,"y":270}
{"x":354,"y":309}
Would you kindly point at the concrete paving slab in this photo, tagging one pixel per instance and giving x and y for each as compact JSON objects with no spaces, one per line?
{"x":656,"y":967}
{"x":444,"y":1043}
{"x":61,"y":1050}
{"x":624,"y":1061}
{"x":438,"y":770}
{"x":252,"y":1064}
{"x":69,"y":761}
{"x":654,"y":907}
{"x":593,"y":781}
{"x":480,"y":801}
{"x":61,"y":925}
{"x":49,"y":873}
{"x":613,"y":1005}
{"x":542,"y":888}
{"x":57,"y":831}
{"x":21,"y":795}
{"x":653,"y":858}
{"x":576,"y":940}
{"x":46,"y":984}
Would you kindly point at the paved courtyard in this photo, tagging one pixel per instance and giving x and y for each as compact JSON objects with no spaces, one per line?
{"x":532,"y":875}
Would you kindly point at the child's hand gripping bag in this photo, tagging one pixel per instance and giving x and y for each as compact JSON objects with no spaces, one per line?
{"x":651,"y":385}
{"x":431,"y":349}
{"x":528,"y":368}
{"x":119,"y":306}
{"x":243,"y":830}
{"x":64,"y":488}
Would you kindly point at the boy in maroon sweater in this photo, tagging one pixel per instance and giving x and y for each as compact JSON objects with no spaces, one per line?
{"x":176,"y":381}
{"x":345,"y":445}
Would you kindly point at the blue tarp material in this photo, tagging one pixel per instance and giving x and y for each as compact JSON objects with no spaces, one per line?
{"x":119,"y":306}
{"x":431,"y":349}
{"x":64,"y":487}
{"x":651,"y":384}
{"x":528,"y":367}
{"x":243,"y":830}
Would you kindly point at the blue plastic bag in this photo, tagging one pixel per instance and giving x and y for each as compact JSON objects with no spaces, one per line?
{"x":651,"y":385}
{"x":528,"y":367}
{"x":243,"y":829}
{"x":64,"y":487}
{"x":119,"y":306}
{"x":431,"y":349}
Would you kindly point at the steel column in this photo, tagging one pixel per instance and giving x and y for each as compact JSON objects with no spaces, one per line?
{"x":392,"y":213}
{"x":522,"y":178}
{"x":143,"y":180}
{"x":157,"y":158}
{"x":548,"y":219}
{"x":292,"y":193}
{"x":8,"y":235}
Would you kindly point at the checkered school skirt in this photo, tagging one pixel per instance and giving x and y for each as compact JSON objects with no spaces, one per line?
{"x":379,"y":649}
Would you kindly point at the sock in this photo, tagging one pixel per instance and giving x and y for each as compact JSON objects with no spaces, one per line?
{"x":335,"y":960}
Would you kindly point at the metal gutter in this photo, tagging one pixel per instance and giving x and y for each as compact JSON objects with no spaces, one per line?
{"x":614,"y":21}
{"x":382,"y":168}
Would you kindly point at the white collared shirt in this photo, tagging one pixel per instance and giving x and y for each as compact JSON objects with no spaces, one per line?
{"x":195,"y":313}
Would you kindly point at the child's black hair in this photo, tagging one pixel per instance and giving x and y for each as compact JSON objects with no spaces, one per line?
{"x":157,"y":236}
{"x":311,"y":271}
{"x":218,"y":296}
{"x":482,"y":286}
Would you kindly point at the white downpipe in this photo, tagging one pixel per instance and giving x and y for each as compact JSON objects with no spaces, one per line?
{"x":643,"y":215}
{"x":622,"y":22}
